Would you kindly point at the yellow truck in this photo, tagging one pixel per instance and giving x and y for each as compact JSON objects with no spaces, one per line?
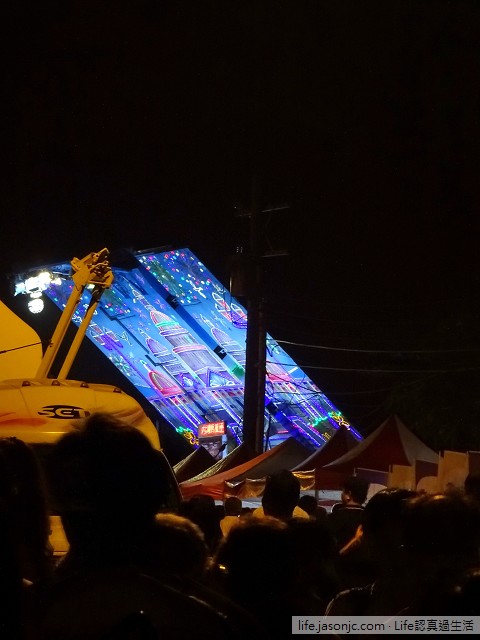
{"x":38,"y":409}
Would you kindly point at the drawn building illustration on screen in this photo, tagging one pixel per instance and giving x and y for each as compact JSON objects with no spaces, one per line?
{"x":176,"y":333}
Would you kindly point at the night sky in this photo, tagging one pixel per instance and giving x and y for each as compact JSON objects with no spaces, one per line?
{"x":141,"y":124}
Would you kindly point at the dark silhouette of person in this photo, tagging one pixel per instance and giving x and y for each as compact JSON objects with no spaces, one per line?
{"x":310,"y":505}
{"x":233,"y":511}
{"x":442,"y":540}
{"x":281,"y":495}
{"x":345,"y":521}
{"x":177,"y":549}
{"x":201,"y":510}
{"x":377,"y":560}
{"x":11,"y":589}
{"x":314,"y":555}
{"x":179,"y":556}
{"x":24,"y":491}
{"x":256,"y":568}
{"x":108,"y":483}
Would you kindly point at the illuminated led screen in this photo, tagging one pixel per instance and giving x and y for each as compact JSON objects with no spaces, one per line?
{"x":178,"y":335}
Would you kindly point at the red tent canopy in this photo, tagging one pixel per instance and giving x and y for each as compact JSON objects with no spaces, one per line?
{"x":242,"y":453}
{"x":196,"y":462}
{"x":391,"y":443}
{"x":340,"y":443}
{"x":284,"y":456}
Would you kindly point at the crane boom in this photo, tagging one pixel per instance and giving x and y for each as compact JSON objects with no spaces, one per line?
{"x":93,"y":269}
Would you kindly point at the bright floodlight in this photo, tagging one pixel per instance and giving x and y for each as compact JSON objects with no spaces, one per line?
{"x":33,"y":284}
{"x":35,"y":305}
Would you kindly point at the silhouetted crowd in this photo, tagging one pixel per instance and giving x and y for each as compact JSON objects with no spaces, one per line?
{"x":141,"y":566}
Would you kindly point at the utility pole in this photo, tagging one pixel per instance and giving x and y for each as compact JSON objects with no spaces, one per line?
{"x":252,"y":287}
{"x":255,"y":364}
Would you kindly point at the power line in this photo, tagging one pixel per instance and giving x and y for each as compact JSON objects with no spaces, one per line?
{"x":308,"y":366}
{"x":364,"y":392}
{"x":384,"y":389}
{"x":343,"y":393}
{"x":389,"y":351}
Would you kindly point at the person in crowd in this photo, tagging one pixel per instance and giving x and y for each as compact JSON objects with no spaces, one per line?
{"x":233,"y":511}
{"x":11,"y":586}
{"x":220,"y":509}
{"x":280,"y":497}
{"x":177,"y":550}
{"x":314,"y":555}
{"x":201,"y":510}
{"x":310,"y":505}
{"x":109,"y":484}
{"x":179,"y":556}
{"x":345,"y":521}
{"x":374,"y":563}
{"x":255,"y":567}
{"x":24,"y":492}
{"x":442,"y":542}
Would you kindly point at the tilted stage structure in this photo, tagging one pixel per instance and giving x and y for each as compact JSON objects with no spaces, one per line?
{"x":179,"y":337}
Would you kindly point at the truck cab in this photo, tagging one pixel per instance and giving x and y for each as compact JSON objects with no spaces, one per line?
{"x":39,"y":411}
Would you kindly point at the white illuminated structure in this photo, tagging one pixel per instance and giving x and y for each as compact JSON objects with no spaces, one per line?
{"x":34,"y":286}
{"x":35,"y":305}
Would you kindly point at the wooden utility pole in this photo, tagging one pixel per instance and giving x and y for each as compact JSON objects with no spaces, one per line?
{"x":247,"y":281}
{"x":255,"y":364}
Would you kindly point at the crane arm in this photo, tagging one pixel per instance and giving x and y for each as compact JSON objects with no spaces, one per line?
{"x":93,"y":269}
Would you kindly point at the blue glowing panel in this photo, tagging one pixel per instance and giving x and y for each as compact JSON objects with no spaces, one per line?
{"x":176,"y":333}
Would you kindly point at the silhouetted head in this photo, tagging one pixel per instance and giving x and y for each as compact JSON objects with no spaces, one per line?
{"x":383,"y":522}
{"x":22,"y":485}
{"x":355,"y":490}
{"x":442,"y":535}
{"x":233,"y":506}
{"x":107,"y":473}
{"x":314,"y":552}
{"x":178,"y":547}
{"x":281,"y":495}
{"x":386,"y":506}
{"x":256,"y":556}
{"x":257,"y":569}
{"x":201,"y":510}
{"x":309,"y":504}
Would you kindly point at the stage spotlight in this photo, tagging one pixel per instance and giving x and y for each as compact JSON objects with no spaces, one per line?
{"x":35,"y":305}
{"x":37,"y":283}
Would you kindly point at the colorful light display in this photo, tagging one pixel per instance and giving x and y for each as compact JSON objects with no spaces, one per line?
{"x":177,"y":334}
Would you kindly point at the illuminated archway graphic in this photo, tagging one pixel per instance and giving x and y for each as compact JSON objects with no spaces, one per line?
{"x":178,"y":335}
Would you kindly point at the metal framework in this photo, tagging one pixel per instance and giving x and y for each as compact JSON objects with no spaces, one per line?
{"x":94,"y":270}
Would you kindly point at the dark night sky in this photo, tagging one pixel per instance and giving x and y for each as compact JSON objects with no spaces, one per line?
{"x":140,"y":124}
